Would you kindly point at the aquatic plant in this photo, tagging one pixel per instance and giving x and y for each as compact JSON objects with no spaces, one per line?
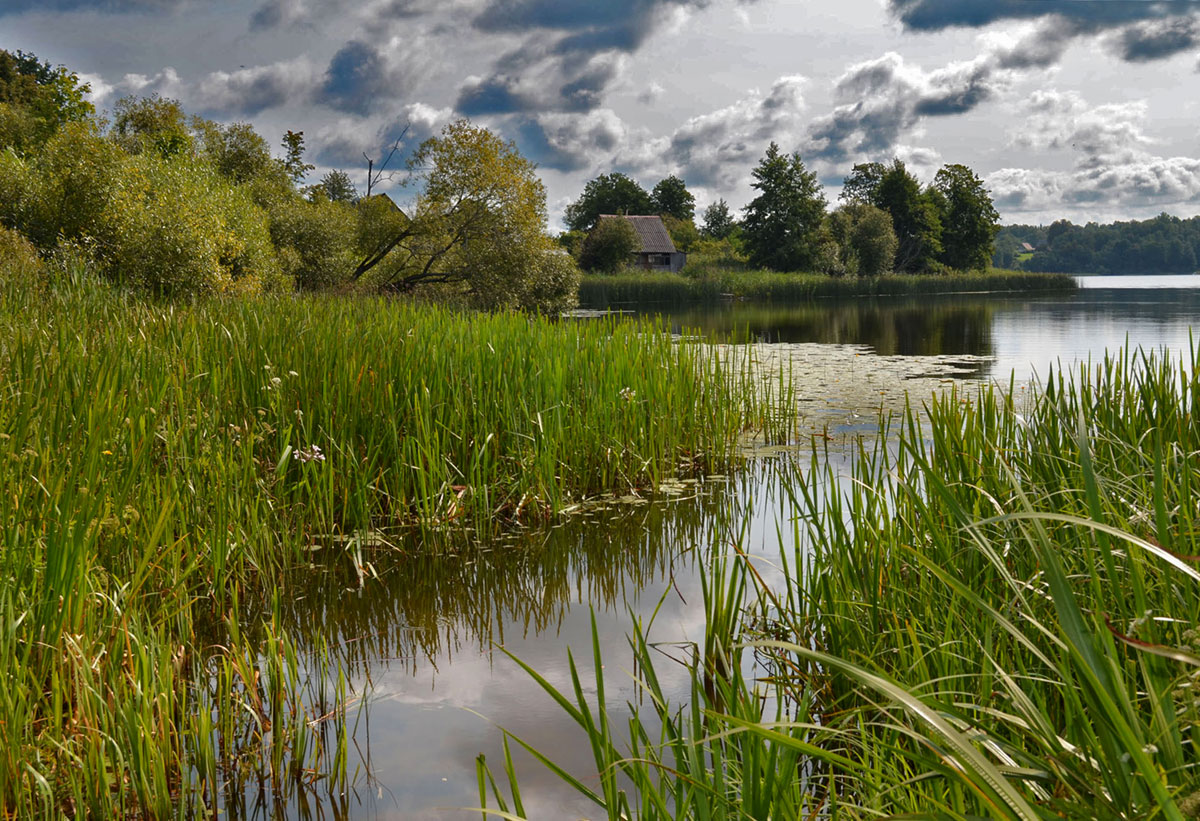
{"x":996,"y":616}
{"x":172,"y":472}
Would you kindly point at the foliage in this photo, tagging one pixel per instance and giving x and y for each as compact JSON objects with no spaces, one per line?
{"x":969,"y":220}
{"x":609,"y":247}
{"x":914,"y":218}
{"x":158,"y":520}
{"x":176,"y":227}
{"x":612,"y":193}
{"x":865,"y":239}
{"x":152,"y":123}
{"x":337,"y":187}
{"x":317,"y":241}
{"x":683,"y":233}
{"x":572,"y":242}
{"x":63,"y":191}
{"x":168,"y":224}
{"x":727,"y":253}
{"x":19,"y":260}
{"x":293,"y":163}
{"x":994,"y":615}
{"x":1161,"y":245}
{"x":479,"y":225}
{"x":782,"y":224}
{"x":671,"y":197}
{"x":36,"y":99}
{"x":705,"y":281}
{"x":238,"y":152}
{"x":719,"y":222}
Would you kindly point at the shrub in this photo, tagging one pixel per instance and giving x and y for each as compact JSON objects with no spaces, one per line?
{"x":317,"y":240}
{"x":179,"y":228}
{"x":609,"y":246}
{"x":865,"y":238}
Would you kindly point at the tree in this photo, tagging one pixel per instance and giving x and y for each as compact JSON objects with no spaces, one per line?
{"x":865,"y":239}
{"x":36,"y":99}
{"x":914,"y":218}
{"x":607,"y":194}
{"x":238,"y":152}
{"x":718,"y":221}
{"x":671,"y":197}
{"x":783,"y":223}
{"x":609,"y":247}
{"x":862,"y":185}
{"x":336,"y":186}
{"x":479,"y":226}
{"x":293,"y":163}
{"x":969,"y":220}
{"x":151,"y":123}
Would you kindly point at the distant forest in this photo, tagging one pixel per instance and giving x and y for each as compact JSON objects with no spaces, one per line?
{"x":1162,"y":245}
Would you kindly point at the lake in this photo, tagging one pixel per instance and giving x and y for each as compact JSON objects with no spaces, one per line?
{"x":422,"y":642}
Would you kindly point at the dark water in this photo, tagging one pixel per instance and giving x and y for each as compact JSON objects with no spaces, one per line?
{"x":421,"y":642}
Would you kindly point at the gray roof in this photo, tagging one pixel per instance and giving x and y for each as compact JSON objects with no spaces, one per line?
{"x":653,"y":234}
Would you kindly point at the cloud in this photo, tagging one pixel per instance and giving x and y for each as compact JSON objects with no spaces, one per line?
{"x":108,"y":6}
{"x":1063,"y":120}
{"x":883,"y":99}
{"x":573,"y":142}
{"x":343,"y":142}
{"x":1141,"y":30}
{"x":935,"y":15}
{"x":1113,"y":168}
{"x":716,"y":150}
{"x":253,"y":90}
{"x":363,"y":77}
{"x":570,"y":52}
{"x":1158,"y":40}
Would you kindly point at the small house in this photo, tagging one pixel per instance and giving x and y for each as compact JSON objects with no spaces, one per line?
{"x":657,"y":251}
{"x":1027,"y":248}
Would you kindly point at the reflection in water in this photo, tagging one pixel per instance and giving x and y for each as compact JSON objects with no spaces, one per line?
{"x":907,"y":327}
{"x":427,"y":604}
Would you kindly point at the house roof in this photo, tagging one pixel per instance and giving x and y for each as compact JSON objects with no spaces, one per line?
{"x":651,"y":232}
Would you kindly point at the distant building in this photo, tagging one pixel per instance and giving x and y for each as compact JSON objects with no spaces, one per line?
{"x":658,"y":250}
{"x":1025,"y":246}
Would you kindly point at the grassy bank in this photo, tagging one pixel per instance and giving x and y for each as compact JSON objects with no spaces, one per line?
{"x":172,"y":472}
{"x":600,"y":291}
{"x":997,"y":619}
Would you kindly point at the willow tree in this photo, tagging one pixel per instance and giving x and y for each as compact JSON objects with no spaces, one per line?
{"x":478,"y":226}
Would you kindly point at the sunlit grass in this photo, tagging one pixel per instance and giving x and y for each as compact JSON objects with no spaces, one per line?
{"x":996,"y":616}
{"x":172,"y":472}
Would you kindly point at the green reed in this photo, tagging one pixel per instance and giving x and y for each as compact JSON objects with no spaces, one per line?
{"x":714,"y":285}
{"x":995,"y":616}
{"x":172,"y":472}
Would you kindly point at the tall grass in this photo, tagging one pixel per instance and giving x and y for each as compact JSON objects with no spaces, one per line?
{"x":170,"y":471}
{"x":997,"y":617}
{"x":608,"y":291}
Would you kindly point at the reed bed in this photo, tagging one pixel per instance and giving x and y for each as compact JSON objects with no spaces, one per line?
{"x":602,"y":291}
{"x":173,"y":472}
{"x":997,"y":616}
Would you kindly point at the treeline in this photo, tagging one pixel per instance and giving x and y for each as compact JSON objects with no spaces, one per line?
{"x":1162,"y":245}
{"x":181,"y":205}
{"x":887,"y":221}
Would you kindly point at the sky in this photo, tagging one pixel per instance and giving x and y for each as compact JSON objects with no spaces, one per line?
{"x":1078,"y":109}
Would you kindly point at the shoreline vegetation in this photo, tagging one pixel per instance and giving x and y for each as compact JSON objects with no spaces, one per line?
{"x":172,"y":472}
{"x":714,"y":285}
{"x":999,"y":618}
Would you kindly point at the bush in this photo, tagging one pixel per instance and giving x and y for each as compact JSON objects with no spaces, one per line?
{"x":609,"y":247}
{"x":178,"y":228}
{"x":316,"y":240}
{"x":865,"y":238}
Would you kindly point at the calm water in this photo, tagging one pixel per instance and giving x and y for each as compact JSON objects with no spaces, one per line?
{"x":422,"y":641}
